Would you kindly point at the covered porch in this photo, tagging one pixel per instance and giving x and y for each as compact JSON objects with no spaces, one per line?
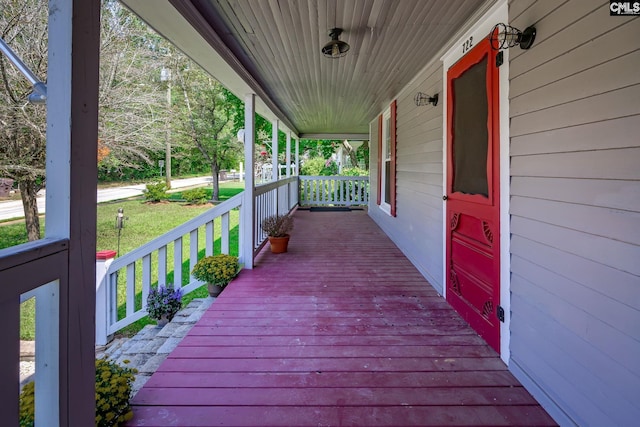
{"x":341,"y":330}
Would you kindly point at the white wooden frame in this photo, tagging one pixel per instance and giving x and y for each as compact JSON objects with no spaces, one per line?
{"x":386,"y":141}
{"x":497,"y":13}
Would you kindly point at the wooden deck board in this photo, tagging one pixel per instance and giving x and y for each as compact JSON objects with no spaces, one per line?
{"x":342,"y":330}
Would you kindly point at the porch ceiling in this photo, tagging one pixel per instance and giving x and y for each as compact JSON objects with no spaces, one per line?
{"x":272,"y":48}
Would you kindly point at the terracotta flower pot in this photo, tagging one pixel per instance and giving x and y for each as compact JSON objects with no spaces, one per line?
{"x":279,"y":244}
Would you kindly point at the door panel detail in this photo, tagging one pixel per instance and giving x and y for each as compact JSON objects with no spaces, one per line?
{"x":487,"y":310}
{"x":454,"y":221}
{"x":488,"y":234}
{"x":455,"y":285}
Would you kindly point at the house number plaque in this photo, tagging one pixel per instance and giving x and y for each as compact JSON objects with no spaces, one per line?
{"x":467,"y":45}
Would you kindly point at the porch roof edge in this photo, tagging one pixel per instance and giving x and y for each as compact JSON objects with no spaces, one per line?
{"x":180,"y":22}
{"x":349,"y":136}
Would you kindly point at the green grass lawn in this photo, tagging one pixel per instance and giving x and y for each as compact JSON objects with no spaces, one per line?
{"x":144,"y":223}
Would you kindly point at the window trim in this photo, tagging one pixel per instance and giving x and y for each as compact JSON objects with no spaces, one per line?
{"x":390,"y":115}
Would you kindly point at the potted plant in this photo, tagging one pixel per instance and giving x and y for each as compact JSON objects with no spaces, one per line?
{"x":277,"y":228}
{"x":217,"y":271}
{"x":163,"y":303}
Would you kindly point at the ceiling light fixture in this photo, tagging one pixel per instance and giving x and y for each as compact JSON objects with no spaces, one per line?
{"x":336,"y":48}
{"x":504,"y":36}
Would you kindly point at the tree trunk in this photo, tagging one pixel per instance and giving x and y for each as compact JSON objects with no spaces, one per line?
{"x":28,"y":192}
{"x":365,"y":148}
{"x":215,"y":170}
{"x":352,"y":154}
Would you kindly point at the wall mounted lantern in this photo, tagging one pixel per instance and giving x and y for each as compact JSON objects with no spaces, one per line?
{"x":504,"y":36}
{"x":422,"y":99}
{"x":336,"y":48}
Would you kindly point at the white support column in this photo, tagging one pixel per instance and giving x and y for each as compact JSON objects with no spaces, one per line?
{"x":274,"y":151}
{"x":297,"y":156}
{"x":58,"y":158}
{"x":71,"y":168}
{"x":247,"y":220}
{"x":288,"y":156}
{"x":59,"y":135}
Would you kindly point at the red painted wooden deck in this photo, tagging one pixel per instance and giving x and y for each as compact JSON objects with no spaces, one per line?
{"x":342,"y":330}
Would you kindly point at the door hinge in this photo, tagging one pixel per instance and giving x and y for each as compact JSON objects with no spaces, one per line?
{"x":499,"y":59}
{"x":500,"y":313}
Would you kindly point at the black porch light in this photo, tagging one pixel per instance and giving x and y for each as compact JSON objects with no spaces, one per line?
{"x":422,"y":99}
{"x":504,"y":36}
{"x":336,"y":48}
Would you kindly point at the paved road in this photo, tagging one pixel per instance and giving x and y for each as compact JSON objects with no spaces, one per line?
{"x":12,"y":209}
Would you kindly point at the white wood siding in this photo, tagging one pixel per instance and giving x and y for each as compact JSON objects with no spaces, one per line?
{"x":417,"y":228}
{"x":575,"y":211}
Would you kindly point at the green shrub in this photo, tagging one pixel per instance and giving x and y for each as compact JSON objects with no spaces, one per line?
{"x":27,"y":405}
{"x":217,"y":269}
{"x":312,"y":166}
{"x":113,"y":391}
{"x":156,"y":192}
{"x":196,"y":196}
{"x":354,"y":172}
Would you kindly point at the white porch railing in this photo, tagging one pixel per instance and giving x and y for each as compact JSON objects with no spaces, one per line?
{"x":161,"y":261}
{"x":275,"y":197}
{"x":132,"y":274}
{"x":334,"y":190}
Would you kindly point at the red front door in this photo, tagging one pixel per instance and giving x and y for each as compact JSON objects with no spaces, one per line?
{"x":473,"y":191}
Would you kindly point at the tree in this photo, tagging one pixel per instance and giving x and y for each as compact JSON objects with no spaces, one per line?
{"x":208,"y":111}
{"x":133,"y":111}
{"x":131,"y":100}
{"x":23,"y":26}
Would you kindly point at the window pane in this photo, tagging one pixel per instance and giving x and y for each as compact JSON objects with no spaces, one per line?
{"x":387,"y":181}
{"x":470,"y":133}
{"x":387,"y":139}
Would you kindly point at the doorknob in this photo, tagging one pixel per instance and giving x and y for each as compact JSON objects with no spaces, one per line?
{"x":444,"y":197}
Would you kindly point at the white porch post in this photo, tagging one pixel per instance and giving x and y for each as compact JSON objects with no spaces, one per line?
{"x":288,"y":156}
{"x":247,"y":219}
{"x":274,"y":151}
{"x":298,"y":157}
{"x":71,"y":168}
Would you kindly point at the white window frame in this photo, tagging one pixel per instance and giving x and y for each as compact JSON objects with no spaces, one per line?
{"x":385,"y":148}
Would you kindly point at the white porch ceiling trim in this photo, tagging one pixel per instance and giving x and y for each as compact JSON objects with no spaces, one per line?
{"x":347,"y":136}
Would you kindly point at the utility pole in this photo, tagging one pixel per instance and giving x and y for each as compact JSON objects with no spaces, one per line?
{"x":165,"y":76}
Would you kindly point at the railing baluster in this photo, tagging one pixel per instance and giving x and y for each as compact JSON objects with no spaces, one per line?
{"x":146,"y":274}
{"x":224,"y":233}
{"x":131,"y":289}
{"x":352,"y":186}
{"x":193,"y":250}
{"x":112,"y":304}
{"x":208,"y":238}
{"x":177,"y":263}
{"x":162,"y":266}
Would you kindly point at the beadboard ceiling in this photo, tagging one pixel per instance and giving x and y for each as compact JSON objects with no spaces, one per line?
{"x":272,"y":48}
